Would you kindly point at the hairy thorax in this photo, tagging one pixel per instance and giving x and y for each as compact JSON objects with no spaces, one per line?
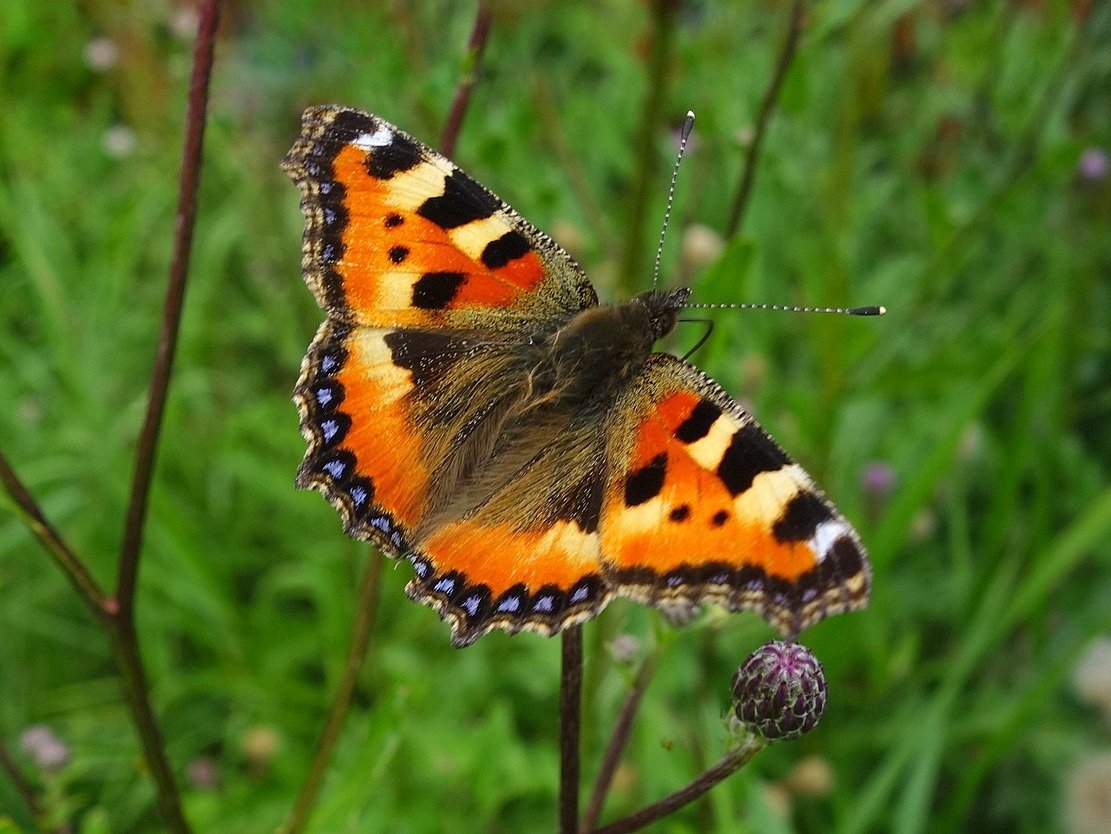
{"x":596,"y":352}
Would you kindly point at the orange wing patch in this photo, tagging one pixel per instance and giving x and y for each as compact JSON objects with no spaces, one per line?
{"x":481,"y":577}
{"x":379,"y":494}
{"x":702,"y":505}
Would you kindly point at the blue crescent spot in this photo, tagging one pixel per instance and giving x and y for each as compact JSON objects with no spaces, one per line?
{"x":545,"y":603}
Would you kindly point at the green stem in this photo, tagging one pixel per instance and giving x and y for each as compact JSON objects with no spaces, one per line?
{"x":763,"y":117}
{"x":21,"y":784}
{"x":620,"y":737}
{"x":366,"y":607}
{"x":635,"y":256}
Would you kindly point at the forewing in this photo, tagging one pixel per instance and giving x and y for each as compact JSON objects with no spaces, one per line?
{"x":397,"y":236}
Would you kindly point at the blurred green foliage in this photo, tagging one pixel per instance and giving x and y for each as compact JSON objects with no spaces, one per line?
{"x":940,"y":158}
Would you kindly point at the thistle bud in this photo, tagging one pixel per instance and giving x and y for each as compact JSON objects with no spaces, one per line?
{"x":779,"y":692}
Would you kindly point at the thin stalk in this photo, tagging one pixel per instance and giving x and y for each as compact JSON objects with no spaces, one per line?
{"x":729,"y":764}
{"x":634,"y":259}
{"x":136,"y":692}
{"x":366,"y":608}
{"x":763,"y":117}
{"x":135,"y":520}
{"x":68,"y":562}
{"x":472,"y":62}
{"x":20,"y":782}
{"x":570,"y":717}
{"x":620,"y":737}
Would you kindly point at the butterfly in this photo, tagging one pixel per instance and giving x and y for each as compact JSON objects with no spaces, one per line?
{"x":470,"y":406}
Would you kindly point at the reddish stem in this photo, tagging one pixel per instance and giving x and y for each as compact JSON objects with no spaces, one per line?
{"x":171,"y":312}
{"x":472,"y":62}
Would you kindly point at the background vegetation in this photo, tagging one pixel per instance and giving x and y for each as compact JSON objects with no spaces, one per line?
{"x":947,"y":159}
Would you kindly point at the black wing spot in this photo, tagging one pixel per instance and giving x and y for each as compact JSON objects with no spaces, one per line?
{"x":392,"y":159}
{"x":801,"y":518}
{"x":435,"y":290}
{"x":399,"y":254}
{"x":680,"y":513}
{"x":506,"y":248}
{"x":462,"y":202}
{"x":646,"y":483}
{"x":750,"y":452}
{"x":846,"y":556}
{"x":719,"y":518}
{"x":698,"y":424}
{"x":393,"y":220}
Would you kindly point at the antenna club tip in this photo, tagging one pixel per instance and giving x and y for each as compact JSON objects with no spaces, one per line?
{"x":688,"y":126}
{"x":878,"y":310}
{"x":881,"y":311}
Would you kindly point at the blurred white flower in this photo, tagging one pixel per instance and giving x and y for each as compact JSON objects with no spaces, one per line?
{"x":625,"y":648}
{"x":812,"y":776}
{"x":48,"y":751}
{"x":701,"y":246}
{"x":1088,"y":796}
{"x":119,"y":141}
{"x":101,"y":54}
{"x":1092,"y":677}
{"x":183,"y":23}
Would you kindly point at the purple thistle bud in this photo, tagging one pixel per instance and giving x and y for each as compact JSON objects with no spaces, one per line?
{"x":779,"y":692}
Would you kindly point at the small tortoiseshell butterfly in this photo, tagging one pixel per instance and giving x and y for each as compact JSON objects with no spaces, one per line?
{"x":468,"y":405}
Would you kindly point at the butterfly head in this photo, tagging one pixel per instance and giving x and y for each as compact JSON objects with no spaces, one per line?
{"x":663,"y":308}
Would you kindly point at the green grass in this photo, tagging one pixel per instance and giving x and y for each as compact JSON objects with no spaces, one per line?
{"x":938,"y":178}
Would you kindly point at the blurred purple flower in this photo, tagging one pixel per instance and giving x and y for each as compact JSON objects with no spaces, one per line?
{"x":1092,"y":165}
{"x":878,"y":478}
{"x":203,"y":773}
{"x":48,"y":751}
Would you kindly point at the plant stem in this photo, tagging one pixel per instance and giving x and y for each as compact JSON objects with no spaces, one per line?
{"x":570,"y":716}
{"x":645,"y":171}
{"x":763,"y":116}
{"x":171,"y":312}
{"x":618,"y":740}
{"x":729,"y":764}
{"x":472,"y":62}
{"x":22,"y":786}
{"x":366,"y":607}
{"x":136,"y":692}
{"x":69,"y":562}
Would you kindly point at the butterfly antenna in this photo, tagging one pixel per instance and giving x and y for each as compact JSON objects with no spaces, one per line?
{"x":684,"y":135}
{"x":876,"y":310}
